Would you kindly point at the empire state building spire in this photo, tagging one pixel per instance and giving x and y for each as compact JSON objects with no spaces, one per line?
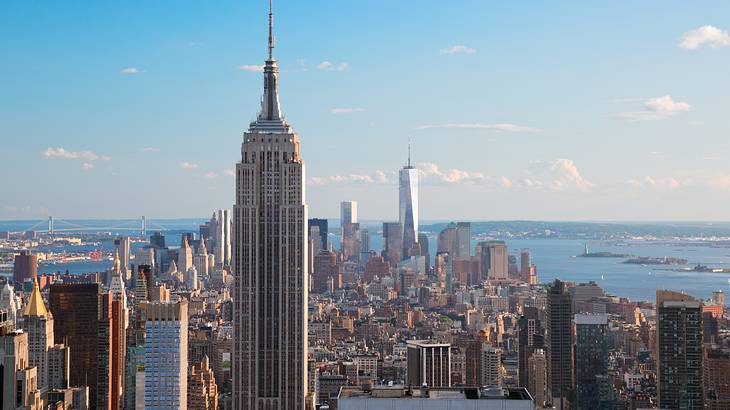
{"x":270,"y":111}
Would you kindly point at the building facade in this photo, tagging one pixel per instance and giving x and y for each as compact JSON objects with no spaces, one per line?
{"x":408,"y":208}
{"x":428,"y":363}
{"x":166,"y":355}
{"x":559,"y":344}
{"x":270,"y":260}
{"x":679,"y":351}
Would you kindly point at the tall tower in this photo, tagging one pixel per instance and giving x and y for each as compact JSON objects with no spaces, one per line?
{"x":38,"y":323}
{"x":679,"y":351}
{"x":166,"y":355}
{"x":270,"y":260}
{"x":350,"y":230}
{"x":559,"y":344}
{"x":408,"y":206}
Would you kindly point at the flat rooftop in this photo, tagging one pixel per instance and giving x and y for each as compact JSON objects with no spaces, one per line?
{"x":438,"y":393}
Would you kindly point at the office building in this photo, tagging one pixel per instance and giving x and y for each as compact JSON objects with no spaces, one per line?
{"x":416,"y":398}
{"x":76,"y":312}
{"x":118,"y":321}
{"x":679,"y":351}
{"x":537,"y":379}
{"x":530,"y":338}
{"x":18,"y":380}
{"x":157,"y":240}
{"x":59,"y":367}
{"x":408,"y":208}
{"x":492,"y":257}
{"x":25,"y":267}
{"x":271,"y":283}
{"x":490,"y":365}
{"x":166,"y":355}
{"x":184,"y":256}
{"x":462,"y":248}
{"x":591,"y":361}
{"x":424,"y":251}
{"x":326,"y":275}
{"x":122,"y":247}
{"x":38,"y":323}
{"x":322,"y":226}
{"x":392,"y":242}
{"x":716,"y":378}
{"x":349,"y":231}
{"x":428,"y":363}
{"x":559,"y":344}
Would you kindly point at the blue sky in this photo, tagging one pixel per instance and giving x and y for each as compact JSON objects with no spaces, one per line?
{"x":562,"y":110}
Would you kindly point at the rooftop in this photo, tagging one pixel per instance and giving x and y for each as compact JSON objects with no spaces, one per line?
{"x":438,"y":393}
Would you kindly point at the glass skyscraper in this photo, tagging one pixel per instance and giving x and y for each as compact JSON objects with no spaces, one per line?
{"x":408,"y":208}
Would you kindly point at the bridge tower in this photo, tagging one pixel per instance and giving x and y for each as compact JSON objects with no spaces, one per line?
{"x":50,"y":225}
{"x":144,"y":225}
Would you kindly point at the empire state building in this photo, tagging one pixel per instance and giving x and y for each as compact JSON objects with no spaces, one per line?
{"x":270,"y":260}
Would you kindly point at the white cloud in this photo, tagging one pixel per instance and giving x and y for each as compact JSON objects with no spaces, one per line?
{"x":378,"y":177}
{"x":251,"y":68}
{"x":558,"y":174}
{"x":657,"y":108}
{"x":65,"y":154}
{"x":150,"y":149}
{"x":458,"y":49}
{"x":339,"y":111}
{"x":87,"y":165}
{"x":705,"y":35}
{"x":230,"y":172}
{"x":506,"y":127}
{"x":211,"y":175}
{"x":431,"y":172}
{"x":665,"y":104}
{"x":130,"y":70}
{"x":188,"y":165}
{"x":329,"y":66}
{"x":656,"y":182}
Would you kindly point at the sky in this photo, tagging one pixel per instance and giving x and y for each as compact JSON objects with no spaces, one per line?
{"x":560,"y":110}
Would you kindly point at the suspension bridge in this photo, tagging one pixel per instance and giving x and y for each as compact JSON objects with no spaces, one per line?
{"x":53,"y":226}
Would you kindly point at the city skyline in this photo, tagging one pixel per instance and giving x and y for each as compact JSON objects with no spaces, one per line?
{"x":175,"y":93}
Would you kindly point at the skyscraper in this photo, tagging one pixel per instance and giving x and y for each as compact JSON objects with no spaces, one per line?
{"x":184,"y":256}
{"x":350,"y":230}
{"x":118,"y":331}
{"x":217,"y":233}
{"x":591,"y":360}
{"x":463,"y":240}
{"x":679,"y":351}
{"x":530,"y":338}
{"x":392,"y":242}
{"x":493,"y":259}
{"x":166,"y":355}
{"x":559,"y":344}
{"x":122,"y":246}
{"x":348,"y":212}
{"x":76,"y":311}
{"x":323,"y":226}
{"x":38,"y":323}
{"x":18,"y":380}
{"x":270,"y":260}
{"x":408,"y":207}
